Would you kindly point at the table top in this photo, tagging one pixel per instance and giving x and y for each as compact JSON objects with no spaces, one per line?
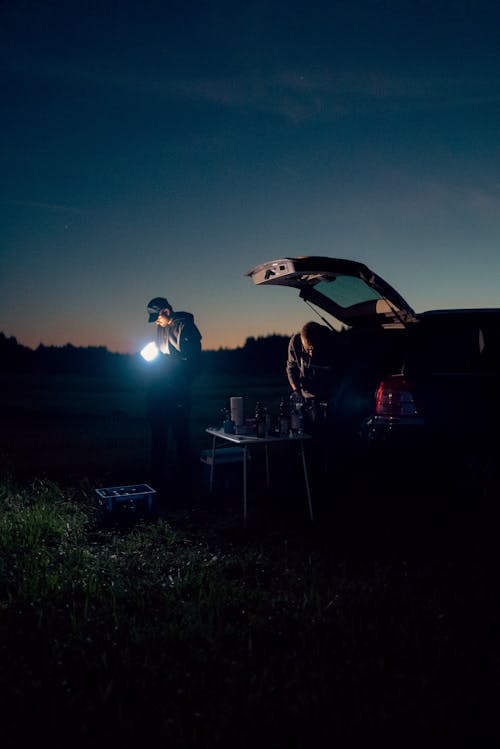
{"x":252,"y":439}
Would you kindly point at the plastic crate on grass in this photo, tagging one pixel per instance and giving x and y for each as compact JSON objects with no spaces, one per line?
{"x":131,"y":496}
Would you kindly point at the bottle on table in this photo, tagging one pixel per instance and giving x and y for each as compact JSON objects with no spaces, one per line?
{"x":227,"y":422}
{"x":269,"y":423}
{"x":296,"y":414}
{"x":260,"y":419}
{"x":284,"y":418}
{"x":311,"y":413}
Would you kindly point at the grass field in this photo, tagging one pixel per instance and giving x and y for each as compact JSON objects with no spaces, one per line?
{"x":70,"y":425}
{"x":190,"y":630}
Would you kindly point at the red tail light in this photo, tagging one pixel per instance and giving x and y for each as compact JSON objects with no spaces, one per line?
{"x":394,"y":398}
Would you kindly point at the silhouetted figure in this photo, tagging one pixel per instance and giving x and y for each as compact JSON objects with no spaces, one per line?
{"x":169,"y":394}
{"x":312,"y":369}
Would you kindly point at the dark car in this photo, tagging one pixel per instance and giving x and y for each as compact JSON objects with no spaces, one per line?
{"x":423,"y":386}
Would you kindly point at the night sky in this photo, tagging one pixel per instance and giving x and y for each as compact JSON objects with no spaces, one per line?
{"x":165,"y":148}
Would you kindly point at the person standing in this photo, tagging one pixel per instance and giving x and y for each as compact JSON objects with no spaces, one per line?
{"x":312,"y":369}
{"x":171,"y":377}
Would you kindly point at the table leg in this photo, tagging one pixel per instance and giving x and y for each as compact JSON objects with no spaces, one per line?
{"x":306,"y":479}
{"x":245,"y":484}
{"x":211,"y":484}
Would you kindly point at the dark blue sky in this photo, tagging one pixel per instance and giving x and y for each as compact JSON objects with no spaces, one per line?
{"x":166,"y":148}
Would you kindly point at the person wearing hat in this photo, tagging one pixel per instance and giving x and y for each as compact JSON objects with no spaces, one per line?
{"x":169,"y":393}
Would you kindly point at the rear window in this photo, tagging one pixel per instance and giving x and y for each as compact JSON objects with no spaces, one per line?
{"x":347,"y":291}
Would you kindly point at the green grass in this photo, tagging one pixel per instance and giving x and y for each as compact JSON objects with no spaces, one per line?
{"x":193,"y":631}
{"x":199,"y":634}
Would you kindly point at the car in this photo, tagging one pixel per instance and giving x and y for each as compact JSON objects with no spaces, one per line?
{"x":419,"y":390}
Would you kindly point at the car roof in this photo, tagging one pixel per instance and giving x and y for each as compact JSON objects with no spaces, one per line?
{"x":461,"y":312}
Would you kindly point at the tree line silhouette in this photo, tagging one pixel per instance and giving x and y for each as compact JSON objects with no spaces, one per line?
{"x":264,"y":355}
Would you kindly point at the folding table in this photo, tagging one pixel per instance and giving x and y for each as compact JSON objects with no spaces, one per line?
{"x":247,"y":442}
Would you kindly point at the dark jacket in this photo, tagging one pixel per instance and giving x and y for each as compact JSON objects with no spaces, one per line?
{"x":172,"y":374}
{"x":181,"y":340}
{"x":314,"y":376}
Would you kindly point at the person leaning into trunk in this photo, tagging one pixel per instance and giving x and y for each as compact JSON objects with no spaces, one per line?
{"x":312,"y":369}
{"x":312,"y":366}
{"x":171,"y":378}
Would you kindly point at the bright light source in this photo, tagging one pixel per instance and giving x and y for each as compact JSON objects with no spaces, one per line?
{"x":150,"y":351}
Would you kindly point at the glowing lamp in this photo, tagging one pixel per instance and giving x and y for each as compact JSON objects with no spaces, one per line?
{"x":150,"y":351}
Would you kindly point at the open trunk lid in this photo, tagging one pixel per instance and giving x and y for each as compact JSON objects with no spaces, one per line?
{"x":346,"y":289}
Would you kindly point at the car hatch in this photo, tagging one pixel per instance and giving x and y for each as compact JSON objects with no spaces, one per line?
{"x":346,"y":289}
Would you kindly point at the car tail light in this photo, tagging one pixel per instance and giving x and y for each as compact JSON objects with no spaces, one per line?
{"x":394,"y":398}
